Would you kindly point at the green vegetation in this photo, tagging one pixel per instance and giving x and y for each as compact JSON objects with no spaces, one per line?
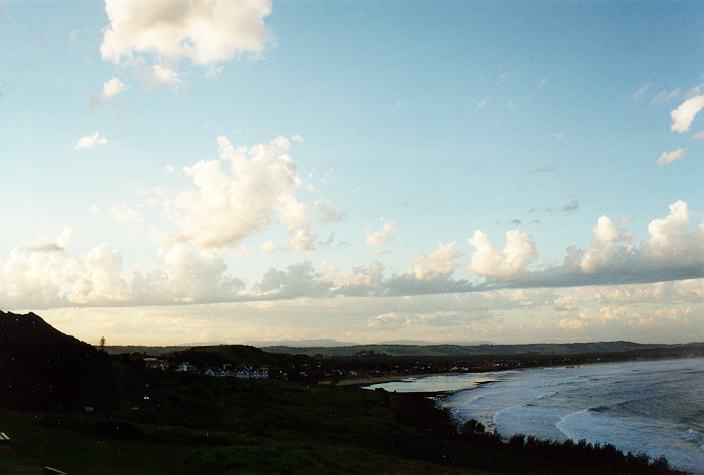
{"x":196,"y":424}
{"x":154,"y":422}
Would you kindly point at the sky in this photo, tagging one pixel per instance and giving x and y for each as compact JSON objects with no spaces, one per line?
{"x":237,"y":171}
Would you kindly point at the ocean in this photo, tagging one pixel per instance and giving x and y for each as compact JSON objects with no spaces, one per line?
{"x":656,"y":407}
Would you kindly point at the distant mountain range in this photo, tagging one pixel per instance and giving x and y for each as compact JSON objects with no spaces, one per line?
{"x":333,"y":348}
{"x":330,"y":343}
{"x":469,"y":350}
{"x":42,"y":368}
{"x":321,"y":343}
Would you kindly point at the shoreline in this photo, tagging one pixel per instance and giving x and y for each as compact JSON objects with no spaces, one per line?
{"x":361,"y":381}
{"x":679,"y":463}
{"x":393,"y":378}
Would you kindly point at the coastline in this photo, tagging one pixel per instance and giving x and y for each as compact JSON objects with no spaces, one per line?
{"x":390,"y":378}
{"x":620,"y":431}
{"x":393,"y":378}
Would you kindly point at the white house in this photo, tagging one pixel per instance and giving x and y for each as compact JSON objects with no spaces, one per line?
{"x":222,"y":372}
{"x":186,"y":367}
{"x":252,"y":373}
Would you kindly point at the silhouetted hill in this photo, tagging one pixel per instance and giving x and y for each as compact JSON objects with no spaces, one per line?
{"x":148,"y":350}
{"x":233,"y":354}
{"x":42,"y":368}
{"x":472,"y":350}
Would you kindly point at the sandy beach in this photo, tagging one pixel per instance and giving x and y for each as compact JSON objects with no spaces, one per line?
{"x":388,"y":378}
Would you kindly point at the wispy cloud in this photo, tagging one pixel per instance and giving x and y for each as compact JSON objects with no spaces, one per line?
{"x":665,"y":96}
{"x":684,"y":115}
{"x":669,"y":157}
{"x":638,"y":95}
{"x":73,"y":36}
{"x":550,"y":167}
{"x":573,"y":205}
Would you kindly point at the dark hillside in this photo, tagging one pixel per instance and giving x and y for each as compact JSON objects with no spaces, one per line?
{"x":233,"y":354}
{"x":42,"y":368}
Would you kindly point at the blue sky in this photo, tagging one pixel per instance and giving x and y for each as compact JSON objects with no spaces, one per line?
{"x":439,"y":119}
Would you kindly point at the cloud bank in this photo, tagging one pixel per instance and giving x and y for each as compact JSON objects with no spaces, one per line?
{"x":44,"y":274}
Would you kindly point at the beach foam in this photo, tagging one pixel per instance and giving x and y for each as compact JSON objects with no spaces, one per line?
{"x":652,"y":406}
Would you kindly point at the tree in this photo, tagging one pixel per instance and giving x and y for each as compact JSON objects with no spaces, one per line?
{"x":102,"y":343}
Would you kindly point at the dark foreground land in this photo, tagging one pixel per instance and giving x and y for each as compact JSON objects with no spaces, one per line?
{"x":157,"y":422}
{"x":195,"y":424}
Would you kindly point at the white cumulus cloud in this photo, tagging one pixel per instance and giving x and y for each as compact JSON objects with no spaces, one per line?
{"x":45,"y":275}
{"x":113,"y":87}
{"x":186,"y":277}
{"x":608,"y":240}
{"x":242,"y":193}
{"x":441,"y":263}
{"x":202,"y":31}
{"x":379,"y":237}
{"x":90,"y":141}
{"x":159,"y":75}
{"x":673,"y":251}
{"x":490,"y":261}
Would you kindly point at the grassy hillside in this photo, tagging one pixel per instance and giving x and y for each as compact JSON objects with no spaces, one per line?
{"x":194,"y":424}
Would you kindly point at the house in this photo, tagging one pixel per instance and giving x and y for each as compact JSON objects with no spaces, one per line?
{"x":220,"y":372}
{"x":186,"y":367}
{"x":151,"y":362}
{"x":259,"y":373}
{"x":242,"y":373}
{"x":252,"y":373}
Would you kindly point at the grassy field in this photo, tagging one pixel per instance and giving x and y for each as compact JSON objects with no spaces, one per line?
{"x":196,"y":424}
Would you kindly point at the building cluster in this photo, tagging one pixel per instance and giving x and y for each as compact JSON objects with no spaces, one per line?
{"x":241,"y":372}
{"x":220,"y":371}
